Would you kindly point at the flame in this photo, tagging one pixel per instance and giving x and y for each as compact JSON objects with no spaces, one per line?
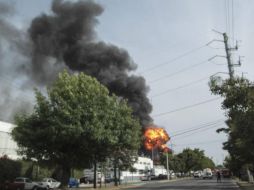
{"x":155,"y":138}
{"x":165,"y":148}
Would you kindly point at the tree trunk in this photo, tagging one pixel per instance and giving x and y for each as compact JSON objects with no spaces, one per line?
{"x":115,"y":177}
{"x":119,"y":175}
{"x":95,"y":175}
{"x":66,"y":173}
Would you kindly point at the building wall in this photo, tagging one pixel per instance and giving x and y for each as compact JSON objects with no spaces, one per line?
{"x":7,"y":145}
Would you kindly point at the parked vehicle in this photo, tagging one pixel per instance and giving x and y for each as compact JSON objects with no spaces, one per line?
{"x":85,"y":180}
{"x":49,"y":183}
{"x":22,"y":183}
{"x":73,"y":182}
{"x":197,"y":174}
{"x":207,"y":173}
{"x":226,"y":173}
{"x":145,"y":178}
{"x":109,"y":179}
{"x":172,"y":174}
{"x":12,"y":186}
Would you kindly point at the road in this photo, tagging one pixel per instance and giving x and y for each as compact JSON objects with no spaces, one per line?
{"x":199,"y":184}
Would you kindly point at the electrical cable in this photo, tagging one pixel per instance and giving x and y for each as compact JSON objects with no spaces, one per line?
{"x":180,"y":71}
{"x":195,"y":129}
{"x":201,"y":143}
{"x":205,"y":129}
{"x":185,"y":107}
{"x":174,"y":59}
{"x":201,"y":125}
{"x":180,"y":87}
{"x":233,"y":25}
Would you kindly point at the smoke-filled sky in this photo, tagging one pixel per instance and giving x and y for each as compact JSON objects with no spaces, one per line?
{"x":130,"y":46}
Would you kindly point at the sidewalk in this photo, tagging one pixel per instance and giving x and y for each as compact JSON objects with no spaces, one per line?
{"x":244,"y":185}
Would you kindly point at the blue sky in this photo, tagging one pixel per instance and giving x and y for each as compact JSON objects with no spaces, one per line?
{"x":155,"y":32}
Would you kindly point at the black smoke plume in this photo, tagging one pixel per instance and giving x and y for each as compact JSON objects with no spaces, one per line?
{"x":66,"y":38}
{"x":14,"y":53}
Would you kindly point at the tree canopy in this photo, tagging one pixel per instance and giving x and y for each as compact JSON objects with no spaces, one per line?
{"x":77,"y":123}
{"x":189,"y":160}
{"x":238,"y":103}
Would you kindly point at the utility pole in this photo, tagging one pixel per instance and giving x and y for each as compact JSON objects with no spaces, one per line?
{"x":167,"y":167}
{"x":228,"y":50}
{"x":228,"y":56}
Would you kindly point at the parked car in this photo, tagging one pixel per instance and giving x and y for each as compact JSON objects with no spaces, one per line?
{"x":197,"y":174}
{"x":23,"y":183}
{"x":172,"y":175}
{"x":109,"y":179}
{"x":73,"y":182}
{"x":162,"y":176}
{"x":145,"y":178}
{"x":12,"y":186}
{"x":49,"y":183}
{"x":85,"y":179}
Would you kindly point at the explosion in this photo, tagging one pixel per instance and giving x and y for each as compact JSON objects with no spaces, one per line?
{"x":156,"y":138}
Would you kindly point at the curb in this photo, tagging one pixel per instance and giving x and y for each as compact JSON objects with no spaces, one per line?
{"x":139,"y":184}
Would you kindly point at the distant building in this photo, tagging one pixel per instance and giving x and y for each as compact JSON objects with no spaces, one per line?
{"x":7,"y":145}
{"x":143,"y":166}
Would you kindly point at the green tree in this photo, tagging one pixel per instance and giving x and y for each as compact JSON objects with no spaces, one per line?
{"x":75,"y":125}
{"x":174,"y":163}
{"x":238,"y":103}
{"x":124,"y":150}
{"x":189,"y":160}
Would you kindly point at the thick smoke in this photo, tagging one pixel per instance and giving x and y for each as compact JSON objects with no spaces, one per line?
{"x":13,"y":61}
{"x":66,"y":38}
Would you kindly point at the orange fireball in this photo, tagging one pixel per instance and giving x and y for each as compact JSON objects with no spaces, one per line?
{"x":155,"y":138}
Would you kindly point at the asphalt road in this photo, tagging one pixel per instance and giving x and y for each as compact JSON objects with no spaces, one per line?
{"x":199,"y":184}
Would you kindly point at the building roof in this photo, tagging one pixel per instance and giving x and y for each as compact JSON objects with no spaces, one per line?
{"x":6,"y":127}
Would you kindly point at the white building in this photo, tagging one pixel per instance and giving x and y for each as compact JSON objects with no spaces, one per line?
{"x":143,"y":167}
{"x":7,"y":145}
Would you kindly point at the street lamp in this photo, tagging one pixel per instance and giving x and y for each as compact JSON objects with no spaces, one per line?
{"x":167,"y":166}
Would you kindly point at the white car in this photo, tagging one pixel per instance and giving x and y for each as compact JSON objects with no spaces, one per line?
{"x":50,"y":183}
{"x":197,"y":174}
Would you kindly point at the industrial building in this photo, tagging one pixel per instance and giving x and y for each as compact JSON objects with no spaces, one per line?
{"x":7,"y":145}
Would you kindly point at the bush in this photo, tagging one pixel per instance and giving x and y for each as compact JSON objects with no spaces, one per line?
{"x":10,"y":169}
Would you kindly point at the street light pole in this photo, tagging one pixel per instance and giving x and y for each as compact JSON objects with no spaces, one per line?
{"x":152,"y":154}
{"x":167,"y":166}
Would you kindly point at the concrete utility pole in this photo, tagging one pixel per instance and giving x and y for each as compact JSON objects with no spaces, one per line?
{"x":228,"y":56}
{"x":167,"y":167}
{"x":228,"y":50}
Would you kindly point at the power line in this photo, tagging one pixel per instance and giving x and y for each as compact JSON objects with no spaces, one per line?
{"x":180,"y":87}
{"x":233,"y":25}
{"x":186,"y":107}
{"x":201,"y":125}
{"x":174,"y":59}
{"x":201,"y":143}
{"x":208,"y":126}
{"x":216,"y":126}
{"x":180,"y":71}
{"x":226,"y":19}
